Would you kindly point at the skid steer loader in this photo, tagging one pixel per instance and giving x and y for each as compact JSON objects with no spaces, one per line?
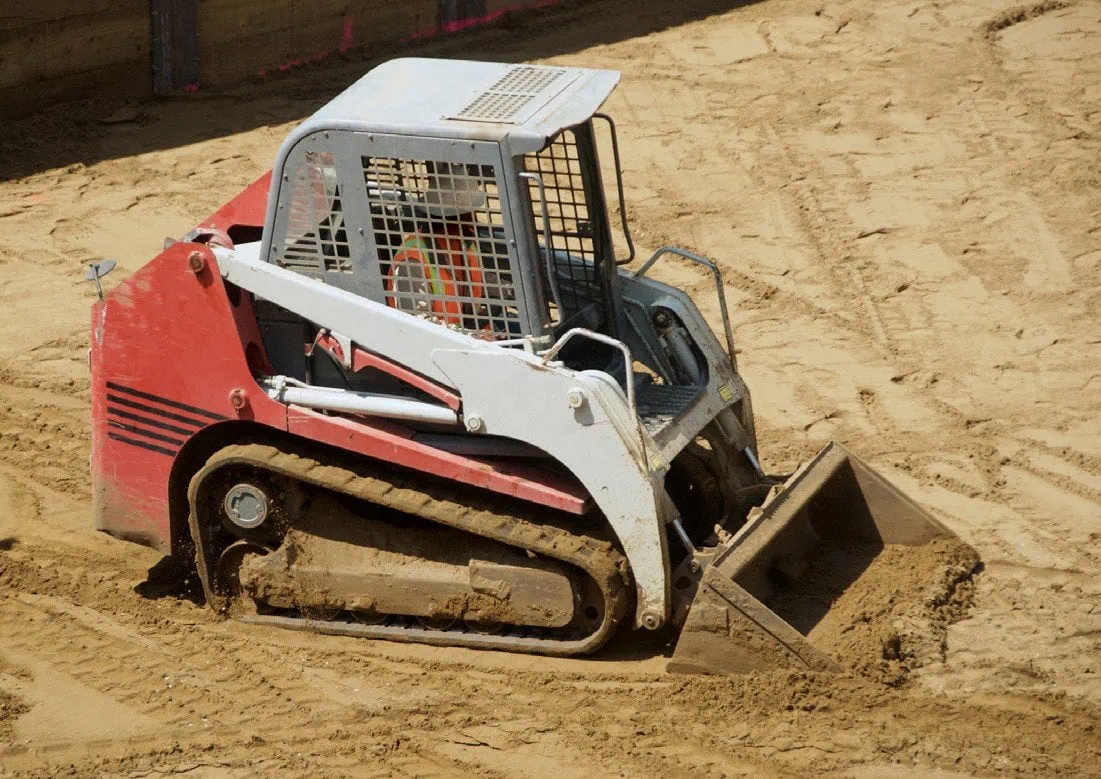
{"x":402,"y":388}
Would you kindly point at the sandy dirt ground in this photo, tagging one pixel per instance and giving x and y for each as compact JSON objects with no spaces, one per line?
{"x":905,"y":197}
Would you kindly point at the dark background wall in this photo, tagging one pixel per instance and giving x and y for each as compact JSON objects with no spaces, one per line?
{"x":52,"y":50}
{"x":56,"y":50}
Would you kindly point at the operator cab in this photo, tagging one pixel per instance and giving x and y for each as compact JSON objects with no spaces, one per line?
{"x":435,"y":186}
{"x":470,"y":194}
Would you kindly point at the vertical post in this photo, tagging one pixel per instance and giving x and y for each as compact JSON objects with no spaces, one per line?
{"x":174,"y":29}
{"x":456,"y":14}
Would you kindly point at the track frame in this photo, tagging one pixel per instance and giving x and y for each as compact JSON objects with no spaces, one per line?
{"x":454,"y":506}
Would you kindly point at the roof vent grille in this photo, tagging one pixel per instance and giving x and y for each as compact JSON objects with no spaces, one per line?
{"x":523,"y":87}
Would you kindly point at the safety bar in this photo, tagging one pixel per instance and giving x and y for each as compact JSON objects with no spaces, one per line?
{"x":718,"y":286}
{"x":552,"y":278}
{"x":604,"y":339}
{"x":619,"y":186}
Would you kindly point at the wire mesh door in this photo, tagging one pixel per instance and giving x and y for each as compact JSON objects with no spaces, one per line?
{"x":314,"y":235}
{"x":574,"y":207}
{"x":441,"y":245}
{"x":414,"y":223}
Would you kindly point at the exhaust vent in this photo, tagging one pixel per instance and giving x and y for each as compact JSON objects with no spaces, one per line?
{"x":518,"y":94}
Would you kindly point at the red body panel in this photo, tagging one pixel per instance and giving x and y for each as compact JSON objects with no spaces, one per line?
{"x":174,"y":352}
{"x":168,"y":349}
{"x":247,"y":209}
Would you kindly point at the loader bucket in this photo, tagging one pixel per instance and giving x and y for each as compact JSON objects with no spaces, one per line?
{"x":771,"y":591}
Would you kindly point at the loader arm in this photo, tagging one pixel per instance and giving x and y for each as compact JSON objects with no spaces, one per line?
{"x":404,"y":339}
{"x":600,"y":442}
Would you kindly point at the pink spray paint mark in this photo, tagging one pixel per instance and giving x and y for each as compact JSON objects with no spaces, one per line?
{"x":346,"y":42}
{"x":307,"y":60}
{"x":478,"y":21}
{"x":347,"y":34}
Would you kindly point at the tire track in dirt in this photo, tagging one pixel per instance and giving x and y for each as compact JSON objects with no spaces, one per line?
{"x":139,"y":670}
{"x":44,"y":430}
{"x":210,"y":682}
{"x":239,"y":685}
{"x":822,"y":219}
{"x":219,"y":693}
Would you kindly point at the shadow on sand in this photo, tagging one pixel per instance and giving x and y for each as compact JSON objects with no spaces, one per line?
{"x":87,"y":132}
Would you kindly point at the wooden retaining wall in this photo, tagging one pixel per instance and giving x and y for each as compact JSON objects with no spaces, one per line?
{"x":57,"y":50}
{"x":54,"y":50}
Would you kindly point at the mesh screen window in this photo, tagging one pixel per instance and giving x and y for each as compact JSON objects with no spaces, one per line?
{"x":571,"y":226}
{"x":442,"y":252}
{"x":316,"y":238}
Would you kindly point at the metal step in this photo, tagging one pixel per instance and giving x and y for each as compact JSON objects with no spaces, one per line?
{"x":660,"y":404}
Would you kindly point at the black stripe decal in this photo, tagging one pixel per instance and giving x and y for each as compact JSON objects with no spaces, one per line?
{"x":141,"y":444}
{"x":118,"y":412}
{"x":150,"y":410}
{"x":146,"y":433}
{"x":157,"y":398}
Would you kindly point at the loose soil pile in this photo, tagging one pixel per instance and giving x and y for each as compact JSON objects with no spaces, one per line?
{"x":881,"y":611}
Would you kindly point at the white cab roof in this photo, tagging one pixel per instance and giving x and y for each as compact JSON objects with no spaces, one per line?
{"x":519,"y":106}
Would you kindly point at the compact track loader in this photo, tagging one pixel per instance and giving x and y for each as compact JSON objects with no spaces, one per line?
{"x":403,"y":388}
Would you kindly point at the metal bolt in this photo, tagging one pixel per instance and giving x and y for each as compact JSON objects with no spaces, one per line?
{"x":575,"y":398}
{"x":197,"y":262}
{"x":474,"y":423}
{"x":238,"y":398}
